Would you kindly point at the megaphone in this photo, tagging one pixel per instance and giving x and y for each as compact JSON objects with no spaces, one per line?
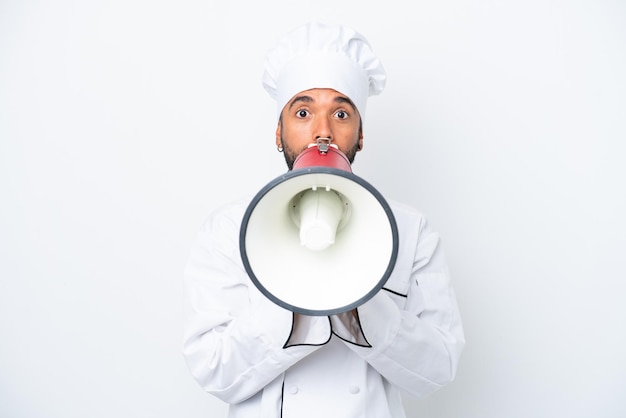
{"x":319,"y":240}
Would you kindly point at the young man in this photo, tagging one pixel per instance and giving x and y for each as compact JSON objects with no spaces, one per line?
{"x":266,"y":361}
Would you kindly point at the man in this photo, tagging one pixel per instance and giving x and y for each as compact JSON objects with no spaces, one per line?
{"x":268,"y":362}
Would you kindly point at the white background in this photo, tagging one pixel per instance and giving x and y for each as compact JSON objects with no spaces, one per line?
{"x":123,"y":123}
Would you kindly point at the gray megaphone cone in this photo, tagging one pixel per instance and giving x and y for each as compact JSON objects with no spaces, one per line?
{"x":319,"y":240}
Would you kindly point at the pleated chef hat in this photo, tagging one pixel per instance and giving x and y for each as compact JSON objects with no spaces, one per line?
{"x":318,"y":55}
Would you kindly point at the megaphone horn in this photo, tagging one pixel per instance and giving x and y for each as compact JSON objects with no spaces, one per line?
{"x":319,"y":240}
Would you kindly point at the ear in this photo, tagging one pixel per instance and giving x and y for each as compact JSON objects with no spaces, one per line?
{"x":360,"y":143}
{"x":279,"y":143}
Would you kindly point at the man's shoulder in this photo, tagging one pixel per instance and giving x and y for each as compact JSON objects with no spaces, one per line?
{"x":236,"y":206}
{"x":405,"y":211}
{"x":230,"y":212}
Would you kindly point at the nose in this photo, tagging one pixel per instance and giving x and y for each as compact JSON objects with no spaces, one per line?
{"x":323,"y":129}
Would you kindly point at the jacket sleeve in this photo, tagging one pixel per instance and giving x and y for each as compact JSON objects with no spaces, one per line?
{"x":414,"y":330}
{"x":233,"y":336}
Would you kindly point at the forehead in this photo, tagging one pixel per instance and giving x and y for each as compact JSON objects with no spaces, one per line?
{"x":320,"y":96}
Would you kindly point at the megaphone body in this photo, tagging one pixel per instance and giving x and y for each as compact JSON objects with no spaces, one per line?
{"x":319,"y":240}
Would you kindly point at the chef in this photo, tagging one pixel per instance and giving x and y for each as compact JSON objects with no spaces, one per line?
{"x":266,"y":361}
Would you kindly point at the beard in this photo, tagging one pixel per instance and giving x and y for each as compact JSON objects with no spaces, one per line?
{"x":291,"y":154}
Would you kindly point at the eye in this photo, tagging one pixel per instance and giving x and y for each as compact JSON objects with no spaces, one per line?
{"x":302,"y":113}
{"x":341,"y":114}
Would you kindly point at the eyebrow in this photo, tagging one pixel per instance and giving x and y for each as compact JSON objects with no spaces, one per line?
{"x":309,"y":99}
{"x":298,"y":99}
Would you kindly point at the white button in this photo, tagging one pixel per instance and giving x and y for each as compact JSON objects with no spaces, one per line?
{"x":293,"y":390}
{"x":354,"y":390}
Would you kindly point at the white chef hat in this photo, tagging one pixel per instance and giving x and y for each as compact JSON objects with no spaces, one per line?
{"x":318,"y":55}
